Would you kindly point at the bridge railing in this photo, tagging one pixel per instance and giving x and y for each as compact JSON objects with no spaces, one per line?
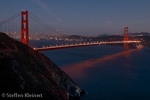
{"x":84,"y":44}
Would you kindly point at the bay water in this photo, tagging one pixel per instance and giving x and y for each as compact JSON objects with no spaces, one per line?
{"x":105,"y":72}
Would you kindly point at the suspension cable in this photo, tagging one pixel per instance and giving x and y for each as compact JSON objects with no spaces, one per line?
{"x":43,"y":23}
{"x":11,"y":18}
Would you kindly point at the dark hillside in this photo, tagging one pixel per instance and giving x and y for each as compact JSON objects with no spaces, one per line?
{"x":23,"y":70}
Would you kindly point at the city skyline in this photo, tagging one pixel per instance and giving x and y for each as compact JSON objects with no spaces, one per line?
{"x":85,"y":17}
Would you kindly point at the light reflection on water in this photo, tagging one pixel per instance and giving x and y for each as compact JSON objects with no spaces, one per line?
{"x":106,"y":72}
{"x":120,"y":76}
{"x":77,"y":70}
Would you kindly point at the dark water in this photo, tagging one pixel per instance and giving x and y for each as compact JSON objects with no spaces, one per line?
{"x":106,"y":72}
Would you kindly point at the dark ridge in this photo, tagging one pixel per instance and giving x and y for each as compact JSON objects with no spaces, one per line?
{"x":23,"y":70}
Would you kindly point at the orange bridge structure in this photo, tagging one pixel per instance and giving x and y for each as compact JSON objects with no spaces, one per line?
{"x":47,"y":28}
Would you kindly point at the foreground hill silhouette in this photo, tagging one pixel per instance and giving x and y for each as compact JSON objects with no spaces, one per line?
{"x":23,"y":70}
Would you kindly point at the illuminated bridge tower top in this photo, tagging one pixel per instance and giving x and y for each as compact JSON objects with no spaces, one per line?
{"x":24,"y":28}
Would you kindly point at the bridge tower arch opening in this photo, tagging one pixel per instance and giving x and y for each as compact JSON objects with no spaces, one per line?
{"x":24,"y":28}
{"x":126,"y":38}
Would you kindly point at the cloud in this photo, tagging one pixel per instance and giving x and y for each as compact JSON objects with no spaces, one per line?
{"x":59,"y":24}
{"x":143,"y":21}
{"x":109,"y":22}
{"x":46,"y":8}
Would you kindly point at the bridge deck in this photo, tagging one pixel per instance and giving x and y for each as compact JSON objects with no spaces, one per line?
{"x":82,"y":44}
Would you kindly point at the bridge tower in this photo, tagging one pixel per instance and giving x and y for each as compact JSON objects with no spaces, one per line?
{"x":126,"y":38}
{"x":24,"y":28}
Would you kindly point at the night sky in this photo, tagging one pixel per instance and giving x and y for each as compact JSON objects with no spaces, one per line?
{"x":85,"y":17}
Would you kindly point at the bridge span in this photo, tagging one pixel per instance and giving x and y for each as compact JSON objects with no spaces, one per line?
{"x":46,"y":29}
{"x":82,"y":45}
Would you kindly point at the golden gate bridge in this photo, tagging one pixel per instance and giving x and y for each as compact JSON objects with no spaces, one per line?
{"x":11,"y":24}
